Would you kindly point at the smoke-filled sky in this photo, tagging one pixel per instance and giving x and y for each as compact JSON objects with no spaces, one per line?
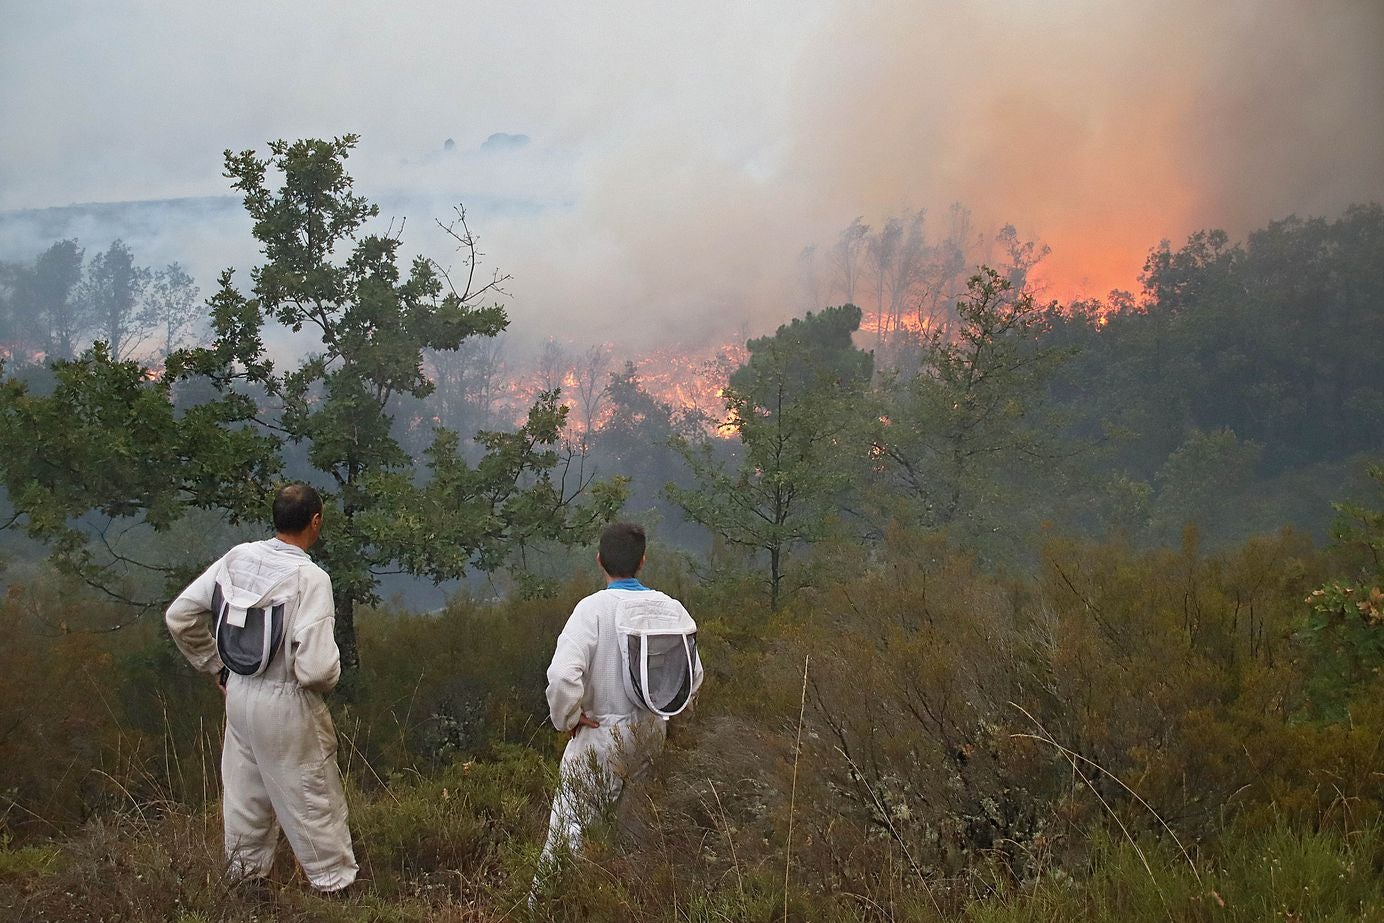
{"x":679,"y":157}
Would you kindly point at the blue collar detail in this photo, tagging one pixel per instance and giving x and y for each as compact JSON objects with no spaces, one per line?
{"x":626,"y":583}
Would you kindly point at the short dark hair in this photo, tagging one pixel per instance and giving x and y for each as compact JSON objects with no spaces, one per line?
{"x":622,"y":549}
{"x":294,"y":506}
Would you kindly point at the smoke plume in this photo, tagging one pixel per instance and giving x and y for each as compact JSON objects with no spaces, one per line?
{"x":676,"y":163}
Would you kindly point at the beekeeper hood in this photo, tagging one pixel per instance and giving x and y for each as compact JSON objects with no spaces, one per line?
{"x":252,"y":585}
{"x":658,"y":650}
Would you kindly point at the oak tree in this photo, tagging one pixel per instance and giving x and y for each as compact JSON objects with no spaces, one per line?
{"x":223,"y":422}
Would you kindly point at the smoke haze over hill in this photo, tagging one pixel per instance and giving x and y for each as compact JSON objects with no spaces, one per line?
{"x":678,"y":162}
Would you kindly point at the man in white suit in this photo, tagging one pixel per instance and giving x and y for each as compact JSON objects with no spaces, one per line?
{"x":262,"y":620}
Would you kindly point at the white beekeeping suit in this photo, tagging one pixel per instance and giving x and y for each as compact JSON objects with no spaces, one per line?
{"x":589,"y":677}
{"x":271,"y":609}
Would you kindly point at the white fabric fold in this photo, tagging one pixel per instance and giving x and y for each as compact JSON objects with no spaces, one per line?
{"x":251,"y":575}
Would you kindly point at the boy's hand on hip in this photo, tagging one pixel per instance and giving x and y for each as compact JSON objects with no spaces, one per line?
{"x":585,"y":721}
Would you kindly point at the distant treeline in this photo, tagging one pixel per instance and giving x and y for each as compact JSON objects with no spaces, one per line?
{"x":1241,"y":387}
{"x":59,"y":303}
{"x":1276,"y":340}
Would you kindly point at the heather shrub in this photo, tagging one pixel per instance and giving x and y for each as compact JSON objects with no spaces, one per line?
{"x":1122,"y":734}
{"x":1275,"y":874}
{"x":94,"y":714}
{"x":1181,"y":674}
{"x":459,"y":828}
{"x":439,"y":686}
{"x":969,"y":731}
{"x":25,"y":861}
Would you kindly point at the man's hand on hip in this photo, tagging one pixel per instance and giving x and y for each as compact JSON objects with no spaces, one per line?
{"x":585,"y":721}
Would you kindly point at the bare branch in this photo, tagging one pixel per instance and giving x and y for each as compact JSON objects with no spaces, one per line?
{"x":120,"y":558}
{"x":142,"y":606}
{"x":467,"y":245}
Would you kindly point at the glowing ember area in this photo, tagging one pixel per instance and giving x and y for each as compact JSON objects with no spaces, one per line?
{"x":876,"y":325}
{"x":692,"y":381}
{"x":689,"y":383}
{"x":10,"y":352}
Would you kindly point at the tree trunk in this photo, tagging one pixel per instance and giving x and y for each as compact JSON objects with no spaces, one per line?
{"x":346,"y":641}
{"x":774,"y":578}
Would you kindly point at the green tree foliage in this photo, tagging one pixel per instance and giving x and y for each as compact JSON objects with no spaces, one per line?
{"x":1259,"y":347}
{"x":172,"y":309}
{"x":1346,"y":624}
{"x":374,"y":322}
{"x":51,"y":308}
{"x":1206,"y":468}
{"x":1312,"y":381}
{"x":955,"y":431}
{"x":803,"y":356}
{"x":105,"y":448}
{"x":110,"y":440}
{"x":637,"y":419}
{"x":1271,"y":340}
{"x":638,"y":437}
{"x":43,"y":313}
{"x":112,"y":299}
{"x":520,"y":492}
{"x":795,"y":406}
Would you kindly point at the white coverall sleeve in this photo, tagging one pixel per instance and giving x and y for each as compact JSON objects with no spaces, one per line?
{"x":188,"y":620}
{"x":697,"y":674}
{"x":316,"y":658}
{"x":567,"y":674}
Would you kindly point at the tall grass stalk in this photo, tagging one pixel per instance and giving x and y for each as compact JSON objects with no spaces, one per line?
{"x":883,"y":810}
{"x":351,"y":742}
{"x":1071,"y":758}
{"x":730,"y":841}
{"x":793,"y":797}
{"x":1073,"y":755}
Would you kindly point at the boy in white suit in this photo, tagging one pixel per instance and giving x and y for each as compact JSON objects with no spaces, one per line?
{"x":616,"y":723}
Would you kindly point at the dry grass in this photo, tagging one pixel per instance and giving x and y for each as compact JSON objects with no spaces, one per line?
{"x":856,"y":756}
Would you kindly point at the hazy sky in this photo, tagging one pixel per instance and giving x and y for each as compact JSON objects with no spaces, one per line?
{"x":681,"y":155}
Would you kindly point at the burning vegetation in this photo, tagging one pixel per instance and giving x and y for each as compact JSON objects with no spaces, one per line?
{"x":951,"y":528}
